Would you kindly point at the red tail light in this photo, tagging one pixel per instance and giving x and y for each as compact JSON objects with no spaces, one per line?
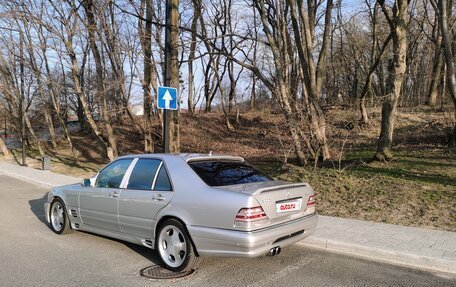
{"x":311,"y":200}
{"x":251,"y":214}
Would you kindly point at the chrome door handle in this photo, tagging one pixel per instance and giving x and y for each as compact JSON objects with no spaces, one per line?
{"x":114,"y":194}
{"x":158,"y":197}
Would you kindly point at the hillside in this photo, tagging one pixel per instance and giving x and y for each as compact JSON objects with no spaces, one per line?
{"x":418,"y":188}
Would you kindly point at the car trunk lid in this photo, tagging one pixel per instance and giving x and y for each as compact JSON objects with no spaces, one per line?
{"x":279,"y":199}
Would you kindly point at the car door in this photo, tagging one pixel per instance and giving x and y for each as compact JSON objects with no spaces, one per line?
{"x":148,"y":190}
{"x":98,"y":205}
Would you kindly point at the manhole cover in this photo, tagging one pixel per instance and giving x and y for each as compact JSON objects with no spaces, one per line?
{"x":158,"y":272}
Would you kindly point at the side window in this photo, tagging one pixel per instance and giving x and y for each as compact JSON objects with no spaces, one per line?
{"x":111,"y":176}
{"x":143,"y":174}
{"x":162,"y":183}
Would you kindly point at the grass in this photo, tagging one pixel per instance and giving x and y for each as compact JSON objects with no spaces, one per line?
{"x":418,"y":188}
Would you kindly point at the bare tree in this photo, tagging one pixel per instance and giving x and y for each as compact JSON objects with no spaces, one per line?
{"x":397,"y":20}
{"x":448,"y":51}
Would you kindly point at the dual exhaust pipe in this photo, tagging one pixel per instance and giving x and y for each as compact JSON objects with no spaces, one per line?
{"x":274,"y":251}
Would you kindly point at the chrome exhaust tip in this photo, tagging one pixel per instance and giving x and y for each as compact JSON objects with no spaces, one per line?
{"x":274,"y":251}
{"x":278,"y":249}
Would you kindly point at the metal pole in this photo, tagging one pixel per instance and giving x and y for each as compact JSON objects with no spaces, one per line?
{"x":167,"y":75}
{"x":24,"y":154}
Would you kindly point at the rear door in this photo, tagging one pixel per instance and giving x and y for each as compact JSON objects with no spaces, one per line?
{"x":98,"y":204}
{"x":148,"y":190}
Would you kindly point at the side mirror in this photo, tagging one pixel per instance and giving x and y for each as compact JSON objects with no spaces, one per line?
{"x":86,"y":182}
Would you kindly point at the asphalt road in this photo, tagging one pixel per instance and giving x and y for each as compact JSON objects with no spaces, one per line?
{"x":32,"y":255}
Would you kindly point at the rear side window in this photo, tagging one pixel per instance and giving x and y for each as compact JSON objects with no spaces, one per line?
{"x":143,"y":174}
{"x":222,"y":173}
{"x":162,"y":183}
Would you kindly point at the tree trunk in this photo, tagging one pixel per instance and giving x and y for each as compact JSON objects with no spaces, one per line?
{"x":435,"y":76}
{"x":29,"y":126}
{"x":449,"y":57}
{"x":92,"y":27}
{"x":191,"y":57}
{"x":304,"y":27}
{"x":172,"y":66}
{"x":80,"y":93}
{"x":397,"y":68}
{"x":3,"y":148}
{"x":146,"y":42}
{"x":50,"y":126}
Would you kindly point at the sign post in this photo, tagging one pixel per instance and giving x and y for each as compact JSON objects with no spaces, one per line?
{"x":166,"y":100}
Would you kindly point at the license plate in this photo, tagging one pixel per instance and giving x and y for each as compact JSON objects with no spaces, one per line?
{"x":286,"y":206}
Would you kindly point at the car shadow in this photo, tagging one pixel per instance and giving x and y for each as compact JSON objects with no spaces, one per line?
{"x":37,"y":207}
{"x":145,"y":252}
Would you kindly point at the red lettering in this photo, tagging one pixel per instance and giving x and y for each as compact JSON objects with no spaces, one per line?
{"x":288,"y":206}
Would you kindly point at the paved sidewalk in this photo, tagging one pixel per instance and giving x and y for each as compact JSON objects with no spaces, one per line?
{"x":46,"y":179}
{"x":416,"y":247}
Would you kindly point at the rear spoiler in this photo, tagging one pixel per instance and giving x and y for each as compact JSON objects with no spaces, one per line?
{"x":273,"y":188}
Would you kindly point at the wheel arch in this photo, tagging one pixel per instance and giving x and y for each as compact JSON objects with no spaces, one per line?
{"x":166,"y":217}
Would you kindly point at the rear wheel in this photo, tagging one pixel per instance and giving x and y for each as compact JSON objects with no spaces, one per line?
{"x":174,"y":246}
{"x":60,"y":223}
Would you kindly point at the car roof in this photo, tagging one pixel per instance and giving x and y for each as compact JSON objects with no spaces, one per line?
{"x":188,"y":157}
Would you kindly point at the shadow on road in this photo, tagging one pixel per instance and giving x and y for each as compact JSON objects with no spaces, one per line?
{"x":37,"y":207}
{"x":147,"y":253}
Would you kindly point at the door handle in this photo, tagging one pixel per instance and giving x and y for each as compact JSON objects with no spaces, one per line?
{"x":158,"y":197}
{"x":114,"y":194}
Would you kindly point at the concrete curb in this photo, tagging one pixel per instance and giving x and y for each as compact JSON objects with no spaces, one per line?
{"x":382,"y":254}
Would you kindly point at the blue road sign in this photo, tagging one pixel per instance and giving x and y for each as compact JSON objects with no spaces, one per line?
{"x":167,"y":98}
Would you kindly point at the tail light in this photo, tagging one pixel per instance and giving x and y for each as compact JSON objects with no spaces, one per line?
{"x":311,"y":201}
{"x":311,"y":204}
{"x":250,"y":218}
{"x":251,"y":214}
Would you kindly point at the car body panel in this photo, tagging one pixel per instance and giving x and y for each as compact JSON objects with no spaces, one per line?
{"x":223,"y":242}
{"x":208,"y":213}
{"x":138,"y":210}
{"x":98,"y":207}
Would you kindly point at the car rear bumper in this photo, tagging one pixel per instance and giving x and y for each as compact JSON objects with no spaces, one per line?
{"x":223,"y":242}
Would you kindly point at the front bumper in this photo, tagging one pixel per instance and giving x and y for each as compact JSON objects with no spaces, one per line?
{"x":47,"y":207}
{"x":223,"y":242}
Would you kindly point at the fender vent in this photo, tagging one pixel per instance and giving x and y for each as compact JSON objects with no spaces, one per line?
{"x":73,"y":213}
{"x":147,"y":243}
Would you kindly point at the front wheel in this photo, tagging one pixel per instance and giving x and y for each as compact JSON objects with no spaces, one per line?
{"x":60,"y":223}
{"x":174,"y":246}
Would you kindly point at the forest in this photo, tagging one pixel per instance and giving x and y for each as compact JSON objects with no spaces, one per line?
{"x":92,"y":62}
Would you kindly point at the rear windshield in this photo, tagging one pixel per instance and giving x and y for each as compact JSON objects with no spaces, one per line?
{"x":222,"y":173}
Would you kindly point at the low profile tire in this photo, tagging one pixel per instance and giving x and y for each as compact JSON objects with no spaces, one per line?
{"x":60,"y":223}
{"x":174,"y":246}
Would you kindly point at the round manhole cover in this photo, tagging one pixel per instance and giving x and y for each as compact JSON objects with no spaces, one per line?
{"x":158,"y":272}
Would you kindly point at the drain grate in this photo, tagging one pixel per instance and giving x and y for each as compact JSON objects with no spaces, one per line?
{"x":158,"y":272}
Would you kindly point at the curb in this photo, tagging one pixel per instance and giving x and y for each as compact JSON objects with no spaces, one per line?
{"x":382,"y":255}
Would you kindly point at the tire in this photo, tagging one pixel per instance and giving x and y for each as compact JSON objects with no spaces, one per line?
{"x":60,"y":223}
{"x":174,"y":246}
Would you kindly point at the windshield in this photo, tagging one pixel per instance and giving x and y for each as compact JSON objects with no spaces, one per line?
{"x":222,"y":173}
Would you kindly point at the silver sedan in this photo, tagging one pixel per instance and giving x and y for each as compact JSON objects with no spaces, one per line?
{"x":185,"y":206}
